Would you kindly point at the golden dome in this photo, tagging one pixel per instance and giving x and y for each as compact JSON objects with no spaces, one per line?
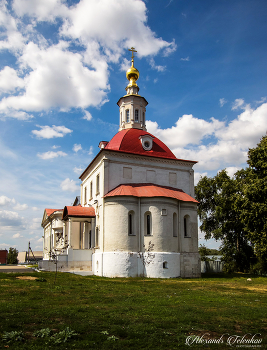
{"x":132,"y":75}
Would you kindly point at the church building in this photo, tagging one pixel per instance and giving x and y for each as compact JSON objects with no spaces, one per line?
{"x":137,"y":214}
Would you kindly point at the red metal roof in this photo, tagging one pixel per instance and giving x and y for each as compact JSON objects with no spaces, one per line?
{"x":78,"y":211}
{"x":51,"y":211}
{"x":128,"y":141}
{"x":150,"y":190}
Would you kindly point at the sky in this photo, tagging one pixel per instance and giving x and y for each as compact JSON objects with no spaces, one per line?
{"x":202,"y":69}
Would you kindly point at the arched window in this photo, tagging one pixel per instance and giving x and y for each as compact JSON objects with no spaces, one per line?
{"x":127,"y":115}
{"x":186,"y":226}
{"x":136,"y":115}
{"x":96,"y":237}
{"x":174,"y":225}
{"x":131,"y":223}
{"x":148,"y":224}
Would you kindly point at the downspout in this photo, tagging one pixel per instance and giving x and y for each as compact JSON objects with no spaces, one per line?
{"x":179,"y":227}
{"x":139,"y":207}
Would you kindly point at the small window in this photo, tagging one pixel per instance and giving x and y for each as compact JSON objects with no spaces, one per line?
{"x":164,"y":212}
{"x":131,"y":223}
{"x":97,"y":184}
{"x":165,"y":264}
{"x":85,"y":195}
{"x":148,"y":224}
{"x":91,"y":189}
{"x":136,"y":115}
{"x":127,"y":114}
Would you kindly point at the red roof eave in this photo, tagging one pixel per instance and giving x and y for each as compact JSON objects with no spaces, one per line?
{"x":150,"y":190}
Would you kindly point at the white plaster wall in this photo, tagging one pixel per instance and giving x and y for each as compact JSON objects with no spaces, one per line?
{"x":139,"y":173}
{"x":116,"y":224}
{"x":162,"y":225}
{"x":123,"y":264}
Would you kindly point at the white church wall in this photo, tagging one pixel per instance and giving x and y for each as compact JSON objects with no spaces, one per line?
{"x":116,"y":224}
{"x":132,"y":169}
{"x":132,"y":264}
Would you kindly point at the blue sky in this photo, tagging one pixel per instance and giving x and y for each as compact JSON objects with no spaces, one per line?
{"x":202,"y":69}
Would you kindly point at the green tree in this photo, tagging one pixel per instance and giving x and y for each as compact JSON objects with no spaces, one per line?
{"x":254,"y":214}
{"x":12,"y":257}
{"x":220,"y":206}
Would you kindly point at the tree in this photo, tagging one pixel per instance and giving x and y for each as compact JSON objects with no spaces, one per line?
{"x":235,"y":211}
{"x":12,"y":257}
{"x":220,"y":205}
{"x":254,"y":215}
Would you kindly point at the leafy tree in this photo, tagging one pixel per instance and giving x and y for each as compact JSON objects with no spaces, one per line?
{"x":12,"y":257}
{"x":254,"y":215}
{"x":220,"y":205}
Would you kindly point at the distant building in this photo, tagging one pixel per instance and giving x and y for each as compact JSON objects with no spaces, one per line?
{"x":34,"y":256}
{"x":3,"y":256}
{"x":137,"y":214}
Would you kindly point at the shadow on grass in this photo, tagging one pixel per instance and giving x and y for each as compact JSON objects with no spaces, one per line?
{"x":229,"y":275}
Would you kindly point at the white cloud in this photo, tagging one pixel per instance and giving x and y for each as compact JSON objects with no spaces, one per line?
{"x":35,"y":224}
{"x":58,"y":76}
{"x":5,"y":201}
{"x":90,"y":150}
{"x":154,"y":66}
{"x":230,"y":142}
{"x":87,"y":116}
{"x":85,"y":24}
{"x":231,"y":170}
{"x":51,"y":154}
{"x":20,"y":207}
{"x":41,"y":9}
{"x":185,"y":59}
{"x":77,"y":147}
{"x":78,"y":170}
{"x":35,"y":208}
{"x":9,"y":80}
{"x":222,"y":102}
{"x":239,"y":102}
{"x":48,"y":132}
{"x":17,"y":235}
{"x":187,"y":130}
{"x":170,"y":49}
{"x":9,"y":219}
{"x":69,"y":185}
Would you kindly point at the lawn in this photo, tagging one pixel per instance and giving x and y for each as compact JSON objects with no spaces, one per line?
{"x":93,"y":312}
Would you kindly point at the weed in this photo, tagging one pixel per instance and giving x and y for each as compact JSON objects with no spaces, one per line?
{"x":14,"y":336}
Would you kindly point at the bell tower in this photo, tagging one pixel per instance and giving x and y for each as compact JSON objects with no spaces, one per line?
{"x":132,"y":105}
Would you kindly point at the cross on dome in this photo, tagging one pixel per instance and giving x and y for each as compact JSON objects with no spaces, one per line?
{"x":133,"y":50}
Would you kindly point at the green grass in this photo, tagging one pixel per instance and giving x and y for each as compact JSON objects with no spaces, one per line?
{"x":131,"y":313}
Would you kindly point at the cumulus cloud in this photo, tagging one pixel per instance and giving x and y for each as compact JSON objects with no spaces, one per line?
{"x":69,"y":185}
{"x":51,"y":155}
{"x":48,"y":132}
{"x":17,"y":235}
{"x":77,"y":147}
{"x":35,"y":224}
{"x":56,"y":75}
{"x":230,"y":142}
{"x":20,"y":207}
{"x":9,"y":80}
{"x":5,"y":201}
{"x":9,"y":219}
